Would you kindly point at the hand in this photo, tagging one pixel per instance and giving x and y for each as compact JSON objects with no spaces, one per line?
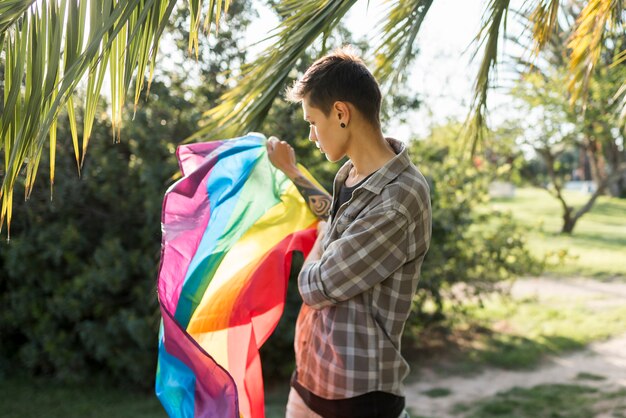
{"x":316,"y":250}
{"x":282,"y":156}
{"x":322,"y":227}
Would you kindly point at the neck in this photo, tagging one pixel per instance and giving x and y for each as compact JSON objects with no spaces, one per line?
{"x":368,"y":151}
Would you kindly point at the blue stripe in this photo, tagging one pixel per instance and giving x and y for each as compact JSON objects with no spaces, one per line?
{"x":175,"y":384}
{"x":229,"y":174}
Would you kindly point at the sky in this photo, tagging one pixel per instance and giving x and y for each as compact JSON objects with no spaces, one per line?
{"x":442,"y":74}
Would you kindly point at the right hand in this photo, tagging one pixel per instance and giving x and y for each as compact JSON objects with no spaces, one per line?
{"x":322,"y":227}
{"x":282,"y":155}
{"x":316,"y":250}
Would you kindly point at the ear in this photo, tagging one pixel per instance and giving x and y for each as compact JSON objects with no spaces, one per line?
{"x":342,"y":112}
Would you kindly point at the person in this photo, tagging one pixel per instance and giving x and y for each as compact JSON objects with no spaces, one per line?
{"x":358,"y":281}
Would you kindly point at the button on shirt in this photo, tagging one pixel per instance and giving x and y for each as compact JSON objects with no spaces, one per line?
{"x":357,"y":297}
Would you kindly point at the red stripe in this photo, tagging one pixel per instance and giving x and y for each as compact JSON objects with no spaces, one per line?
{"x":261,"y":304}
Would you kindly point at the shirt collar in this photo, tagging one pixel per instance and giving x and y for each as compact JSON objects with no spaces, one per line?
{"x":383,"y":175}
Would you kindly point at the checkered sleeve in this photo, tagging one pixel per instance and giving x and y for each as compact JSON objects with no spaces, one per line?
{"x":368,"y":252}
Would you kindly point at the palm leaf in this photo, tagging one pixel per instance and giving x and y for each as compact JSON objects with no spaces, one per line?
{"x":494,"y":20}
{"x":48,"y":52}
{"x":544,"y":22}
{"x":586,"y":40}
{"x":399,"y":28}
{"x":244,"y":107}
{"x":619,"y":58}
{"x":11,"y":11}
{"x":214,"y":11}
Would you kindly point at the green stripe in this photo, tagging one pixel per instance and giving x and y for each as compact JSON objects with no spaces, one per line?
{"x":261,"y":192}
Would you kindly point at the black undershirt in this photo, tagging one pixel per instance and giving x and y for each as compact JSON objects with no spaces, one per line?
{"x":345,"y":194}
{"x":375,"y":404}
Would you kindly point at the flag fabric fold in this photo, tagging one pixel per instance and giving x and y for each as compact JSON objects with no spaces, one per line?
{"x":230,"y":226}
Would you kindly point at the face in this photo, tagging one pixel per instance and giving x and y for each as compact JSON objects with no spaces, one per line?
{"x":325,"y":131}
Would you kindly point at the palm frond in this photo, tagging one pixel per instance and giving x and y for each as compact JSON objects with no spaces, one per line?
{"x":50,"y":46}
{"x":544,"y":22}
{"x":585,"y":43}
{"x":617,"y":12}
{"x":11,"y":11}
{"x":244,"y":107}
{"x":494,"y":20}
{"x":622,"y":106}
{"x":396,"y":48}
{"x":619,"y":59}
{"x":214,"y":11}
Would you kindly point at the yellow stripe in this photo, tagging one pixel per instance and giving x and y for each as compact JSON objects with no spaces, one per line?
{"x":213,"y":312}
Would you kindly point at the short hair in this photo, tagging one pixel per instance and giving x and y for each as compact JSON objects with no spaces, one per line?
{"x":339,"y":76}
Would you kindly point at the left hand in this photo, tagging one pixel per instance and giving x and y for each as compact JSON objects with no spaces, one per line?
{"x":282,"y":156}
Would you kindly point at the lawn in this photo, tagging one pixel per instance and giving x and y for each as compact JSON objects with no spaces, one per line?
{"x":567,"y":401}
{"x":513,"y":334}
{"x":597,"y":247}
{"x":517,"y":334}
{"x":37,"y":398}
{"x":45,"y":398}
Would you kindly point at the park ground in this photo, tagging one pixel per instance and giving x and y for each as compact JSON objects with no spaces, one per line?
{"x":555,"y":347}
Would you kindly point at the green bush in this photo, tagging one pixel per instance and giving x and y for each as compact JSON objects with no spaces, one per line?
{"x":470,"y":245}
{"x":79,"y":275}
{"x":78,"y":280}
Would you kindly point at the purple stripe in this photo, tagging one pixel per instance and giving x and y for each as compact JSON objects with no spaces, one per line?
{"x":191,"y":156}
{"x":215,"y":391}
{"x":184,"y":217}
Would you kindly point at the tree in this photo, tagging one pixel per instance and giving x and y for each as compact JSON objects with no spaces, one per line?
{"x":563,"y":140}
{"x":47,"y":56}
{"x":555,"y":128}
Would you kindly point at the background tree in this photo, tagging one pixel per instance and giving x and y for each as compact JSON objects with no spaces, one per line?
{"x":558,"y":131}
{"x":474,"y":249}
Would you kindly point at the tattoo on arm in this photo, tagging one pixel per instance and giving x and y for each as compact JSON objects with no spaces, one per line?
{"x":319,"y":201}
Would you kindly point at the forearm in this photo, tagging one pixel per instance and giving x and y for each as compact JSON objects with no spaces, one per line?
{"x":283,"y":157}
{"x":318,"y":200}
{"x":369,"y":251}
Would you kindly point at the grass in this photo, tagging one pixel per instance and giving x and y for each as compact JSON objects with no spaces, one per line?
{"x":276,"y":400}
{"x":438,"y":392}
{"x":589,"y":376}
{"x":596,"y":247}
{"x":526,"y":330}
{"x":566,"y":401}
{"x":516,"y":334}
{"x":36,"y":398}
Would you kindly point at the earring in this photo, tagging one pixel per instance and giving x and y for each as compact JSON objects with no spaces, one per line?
{"x":343,"y":125}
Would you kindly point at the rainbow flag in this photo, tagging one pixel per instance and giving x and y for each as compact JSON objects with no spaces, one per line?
{"x":230,"y":226}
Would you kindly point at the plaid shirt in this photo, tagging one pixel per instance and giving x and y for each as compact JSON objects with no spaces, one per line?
{"x":357,"y":297}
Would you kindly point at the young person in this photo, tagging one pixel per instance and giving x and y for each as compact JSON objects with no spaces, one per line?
{"x":362,"y":273}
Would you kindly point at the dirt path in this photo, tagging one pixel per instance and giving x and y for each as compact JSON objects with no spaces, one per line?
{"x":607,"y":358}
